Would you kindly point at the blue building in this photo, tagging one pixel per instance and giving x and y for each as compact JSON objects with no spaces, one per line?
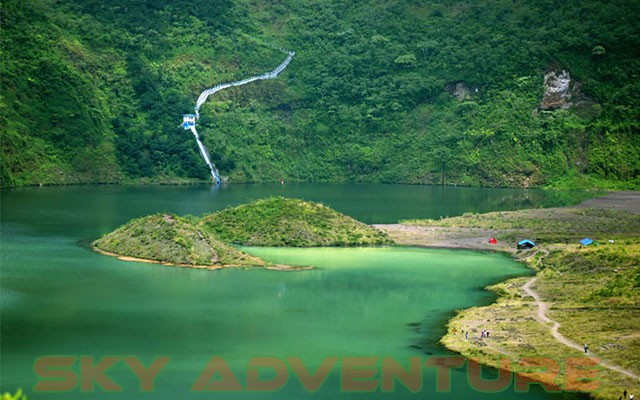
{"x":188,"y":120}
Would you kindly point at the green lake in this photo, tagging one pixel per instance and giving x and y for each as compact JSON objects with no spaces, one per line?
{"x":60,"y":300}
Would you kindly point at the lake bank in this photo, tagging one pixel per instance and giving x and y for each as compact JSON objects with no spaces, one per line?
{"x":59,"y":297}
{"x":589,"y":294}
{"x":273,"y":267}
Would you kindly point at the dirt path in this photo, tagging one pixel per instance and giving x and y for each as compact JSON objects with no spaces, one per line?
{"x":477,"y":239}
{"x":542,"y":317}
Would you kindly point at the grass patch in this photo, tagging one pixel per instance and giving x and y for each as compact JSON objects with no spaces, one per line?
{"x":278,"y":221}
{"x":17,"y":396}
{"x":173,"y":240}
{"x":551,"y":225}
{"x":206,"y":241}
{"x":593,"y":291}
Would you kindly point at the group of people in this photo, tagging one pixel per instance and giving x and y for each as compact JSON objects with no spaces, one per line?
{"x":483,"y":334}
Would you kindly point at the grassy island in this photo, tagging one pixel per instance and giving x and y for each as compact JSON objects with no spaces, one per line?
{"x":278,"y":221}
{"x":580,"y":294}
{"x":207,"y":242}
{"x":174,"y":240}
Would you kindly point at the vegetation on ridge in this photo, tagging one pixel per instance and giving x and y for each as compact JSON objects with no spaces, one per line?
{"x":279,"y":221}
{"x":174,"y":240}
{"x":92,"y":91}
{"x":17,"y":396}
{"x":275,"y":221}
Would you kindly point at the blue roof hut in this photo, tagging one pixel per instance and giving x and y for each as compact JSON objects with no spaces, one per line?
{"x":526,"y":244}
{"x":586,"y":241}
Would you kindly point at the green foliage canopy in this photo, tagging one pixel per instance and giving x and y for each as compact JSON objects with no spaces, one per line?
{"x":92,"y":91}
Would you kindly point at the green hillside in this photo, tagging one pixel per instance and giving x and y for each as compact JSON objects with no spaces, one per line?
{"x":406,"y":91}
{"x":174,"y":240}
{"x":275,"y":221}
{"x":279,"y":221}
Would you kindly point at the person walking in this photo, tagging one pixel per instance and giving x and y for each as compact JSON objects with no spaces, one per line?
{"x":586,"y":348}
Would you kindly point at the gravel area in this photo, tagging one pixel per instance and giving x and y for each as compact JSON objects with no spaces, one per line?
{"x":478,"y":239}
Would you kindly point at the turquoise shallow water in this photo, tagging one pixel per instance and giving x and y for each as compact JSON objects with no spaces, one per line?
{"x":58,"y":298}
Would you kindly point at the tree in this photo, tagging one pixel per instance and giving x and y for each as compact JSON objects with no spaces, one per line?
{"x":441,"y":156}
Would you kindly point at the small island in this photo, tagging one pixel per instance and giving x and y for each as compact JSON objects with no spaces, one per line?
{"x":207,"y":242}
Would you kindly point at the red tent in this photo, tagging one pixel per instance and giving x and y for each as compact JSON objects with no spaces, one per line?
{"x":493,"y":240}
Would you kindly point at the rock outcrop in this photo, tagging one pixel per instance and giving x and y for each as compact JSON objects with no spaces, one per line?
{"x":461,"y":90}
{"x":561,"y":92}
{"x":557,"y":93}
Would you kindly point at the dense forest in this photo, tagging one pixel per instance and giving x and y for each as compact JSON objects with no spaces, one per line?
{"x":432,"y":91}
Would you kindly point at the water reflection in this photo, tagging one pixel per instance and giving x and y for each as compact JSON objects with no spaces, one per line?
{"x":59,"y":298}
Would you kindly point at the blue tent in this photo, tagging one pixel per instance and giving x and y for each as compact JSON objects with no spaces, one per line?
{"x":526,"y":244}
{"x":586,"y":241}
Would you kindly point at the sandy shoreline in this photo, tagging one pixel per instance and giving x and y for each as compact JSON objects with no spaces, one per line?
{"x":445,"y":237}
{"x":273,"y":267}
{"x":478,"y":239}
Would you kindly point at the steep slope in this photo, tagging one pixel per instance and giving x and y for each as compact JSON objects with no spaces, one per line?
{"x":53,"y":116}
{"x":403,"y":91}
